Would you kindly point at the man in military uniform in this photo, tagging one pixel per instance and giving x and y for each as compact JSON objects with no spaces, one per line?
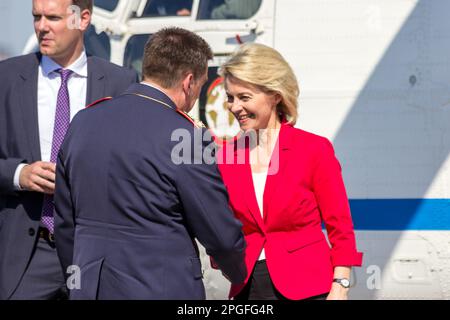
{"x":127,"y":212}
{"x":39,"y":94}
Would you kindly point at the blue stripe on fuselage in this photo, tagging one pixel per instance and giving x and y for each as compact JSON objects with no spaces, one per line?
{"x":401,"y":214}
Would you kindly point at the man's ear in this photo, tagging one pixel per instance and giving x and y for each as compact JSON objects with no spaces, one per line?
{"x":85,"y":19}
{"x":188,"y":81}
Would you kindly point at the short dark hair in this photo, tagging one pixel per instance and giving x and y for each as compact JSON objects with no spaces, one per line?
{"x":171,"y":53}
{"x":84,"y":4}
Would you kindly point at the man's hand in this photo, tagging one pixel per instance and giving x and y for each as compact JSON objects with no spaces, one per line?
{"x":184,"y":12}
{"x":38,"y":177}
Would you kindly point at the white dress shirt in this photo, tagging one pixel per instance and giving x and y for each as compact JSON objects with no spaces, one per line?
{"x":49,"y":82}
{"x":259,"y":183}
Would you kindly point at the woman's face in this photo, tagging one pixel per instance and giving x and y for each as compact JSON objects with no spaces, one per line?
{"x":253,"y":108}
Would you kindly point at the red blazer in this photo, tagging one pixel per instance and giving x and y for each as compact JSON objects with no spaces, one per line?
{"x":306,"y":190}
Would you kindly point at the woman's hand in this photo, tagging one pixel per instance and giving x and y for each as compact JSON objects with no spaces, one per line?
{"x":337,"y":292}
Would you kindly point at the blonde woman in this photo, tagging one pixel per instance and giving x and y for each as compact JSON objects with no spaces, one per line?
{"x":289,"y":184}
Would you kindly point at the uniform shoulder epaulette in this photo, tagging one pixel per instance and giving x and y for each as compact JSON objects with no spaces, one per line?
{"x":98,"y":101}
{"x":196,"y":123}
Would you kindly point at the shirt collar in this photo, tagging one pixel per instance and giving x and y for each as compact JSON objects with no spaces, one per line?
{"x":154,"y":87}
{"x":79,"y":66}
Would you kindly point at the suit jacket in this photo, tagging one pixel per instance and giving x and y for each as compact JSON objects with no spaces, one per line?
{"x":127,"y":213}
{"x":20,"y":212}
{"x":305,"y":189}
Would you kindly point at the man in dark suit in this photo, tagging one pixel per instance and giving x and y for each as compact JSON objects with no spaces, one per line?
{"x":128,"y":225}
{"x":39,"y":94}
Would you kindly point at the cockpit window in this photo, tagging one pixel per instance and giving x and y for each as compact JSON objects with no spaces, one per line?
{"x":163,"y":8}
{"x":109,"y":5}
{"x":227,"y":9}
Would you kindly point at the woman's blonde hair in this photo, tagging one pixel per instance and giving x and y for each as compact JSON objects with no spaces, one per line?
{"x":265,"y":68}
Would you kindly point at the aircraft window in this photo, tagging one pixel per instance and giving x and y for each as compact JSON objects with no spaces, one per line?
{"x":158,"y":8}
{"x":134,"y":52}
{"x":109,"y":5}
{"x":228,"y":9}
{"x":97,"y":44}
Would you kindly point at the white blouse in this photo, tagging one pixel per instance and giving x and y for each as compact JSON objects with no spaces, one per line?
{"x":259,"y":183}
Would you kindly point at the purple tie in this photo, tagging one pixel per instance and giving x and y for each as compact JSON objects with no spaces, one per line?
{"x":62,"y":120}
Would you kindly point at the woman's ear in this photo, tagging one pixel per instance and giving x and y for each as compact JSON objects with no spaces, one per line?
{"x":277,"y":98}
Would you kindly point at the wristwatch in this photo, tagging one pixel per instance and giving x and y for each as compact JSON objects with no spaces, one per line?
{"x":343,"y":282}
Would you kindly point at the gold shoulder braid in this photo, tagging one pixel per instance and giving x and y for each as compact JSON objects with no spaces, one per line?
{"x":195,"y":122}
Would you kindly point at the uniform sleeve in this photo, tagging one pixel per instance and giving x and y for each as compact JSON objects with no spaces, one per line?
{"x":333,"y":204}
{"x":64,"y":216}
{"x":205,"y":202}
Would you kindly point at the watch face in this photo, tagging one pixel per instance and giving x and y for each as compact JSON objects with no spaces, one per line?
{"x":345,"y":283}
